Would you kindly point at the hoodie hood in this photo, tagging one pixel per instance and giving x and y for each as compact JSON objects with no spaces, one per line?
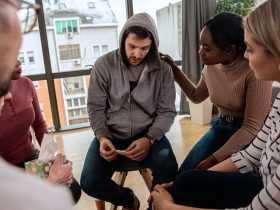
{"x":143,"y":20}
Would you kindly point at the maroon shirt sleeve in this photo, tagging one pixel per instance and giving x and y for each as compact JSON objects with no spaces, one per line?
{"x":39,"y":125}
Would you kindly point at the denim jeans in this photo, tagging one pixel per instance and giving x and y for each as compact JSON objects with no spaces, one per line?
{"x":213,"y":189}
{"x":219,"y":133}
{"x":97,"y":172}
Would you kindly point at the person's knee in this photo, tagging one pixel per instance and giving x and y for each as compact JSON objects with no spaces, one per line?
{"x":90,"y":184}
{"x":185,"y":185}
{"x":171,"y":165}
{"x":190,"y":162}
{"x":166,"y":166}
{"x":167,"y":160}
{"x":191,"y":178}
{"x":89,"y":181}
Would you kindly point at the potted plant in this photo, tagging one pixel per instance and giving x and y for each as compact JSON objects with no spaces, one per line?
{"x":240,"y":7}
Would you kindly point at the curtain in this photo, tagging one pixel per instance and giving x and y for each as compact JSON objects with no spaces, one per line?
{"x":195,"y":13}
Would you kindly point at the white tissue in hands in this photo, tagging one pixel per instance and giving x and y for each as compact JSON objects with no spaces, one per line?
{"x":120,"y":152}
{"x":48,"y":148}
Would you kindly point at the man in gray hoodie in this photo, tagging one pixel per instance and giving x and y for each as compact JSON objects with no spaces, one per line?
{"x":131,"y":105}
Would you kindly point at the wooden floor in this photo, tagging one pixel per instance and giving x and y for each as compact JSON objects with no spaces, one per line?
{"x":182,"y":135}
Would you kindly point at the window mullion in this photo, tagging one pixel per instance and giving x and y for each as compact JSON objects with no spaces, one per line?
{"x":47,"y":62}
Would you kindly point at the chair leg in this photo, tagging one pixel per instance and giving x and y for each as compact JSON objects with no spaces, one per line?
{"x":146,"y":174}
{"x":100,"y":205}
{"x":113,"y":207}
{"x":119,"y":179}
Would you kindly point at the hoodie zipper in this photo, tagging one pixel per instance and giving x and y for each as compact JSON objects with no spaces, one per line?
{"x":130,"y":115}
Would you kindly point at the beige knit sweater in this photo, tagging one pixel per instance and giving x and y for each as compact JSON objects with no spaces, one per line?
{"x":236,"y":92}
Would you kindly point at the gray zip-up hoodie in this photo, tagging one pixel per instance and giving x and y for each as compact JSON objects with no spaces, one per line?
{"x":114,"y":111}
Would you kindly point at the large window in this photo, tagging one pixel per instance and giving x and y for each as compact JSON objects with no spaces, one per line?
{"x":74,"y":86}
{"x":31,"y":55}
{"x":76,"y":33}
{"x":74,"y":89}
{"x":167,"y":15}
{"x":71,"y":93}
{"x":74,"y":27}
{"x":44,"y":102}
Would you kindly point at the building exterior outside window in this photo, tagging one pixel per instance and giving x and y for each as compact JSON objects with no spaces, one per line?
{"x":168,"y":17}
{"x":69,"y":52}
{"x":170,"y":40}
{"x":73,"y":28}
{"x":27,"y":57}
{"x":91,"y":5}
{"x":105,"y":49}
{"x":99,"y":50}
{"x":96,"y":51}
{"x":36,"y":85}
{"x":30,"y":56}
{"x":21,"y":58}
{"x":61,"y":6}
{"x":66,"y":26}
{"x":75,"y":96}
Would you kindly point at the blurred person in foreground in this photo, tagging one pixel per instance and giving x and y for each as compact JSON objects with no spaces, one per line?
{"x":18,"y":190}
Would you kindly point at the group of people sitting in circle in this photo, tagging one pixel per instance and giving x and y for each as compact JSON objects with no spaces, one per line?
{"x":235,"y":164}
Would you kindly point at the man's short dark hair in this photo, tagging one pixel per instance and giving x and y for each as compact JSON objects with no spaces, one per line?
{"x":141,"y":33}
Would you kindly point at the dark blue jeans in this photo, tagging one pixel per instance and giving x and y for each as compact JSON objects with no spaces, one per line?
{"x":219,"y":133}
{"x":97,"y":172}
{"x":212,"y":189}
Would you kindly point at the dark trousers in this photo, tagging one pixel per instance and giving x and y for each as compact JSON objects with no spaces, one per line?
{"x":212,"y":189}
{"x":74,"y":188}
{"x":97,"y":172}
{"x":219,"y":133}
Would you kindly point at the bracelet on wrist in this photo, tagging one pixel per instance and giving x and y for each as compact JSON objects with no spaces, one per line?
{"x":150,"y":137}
